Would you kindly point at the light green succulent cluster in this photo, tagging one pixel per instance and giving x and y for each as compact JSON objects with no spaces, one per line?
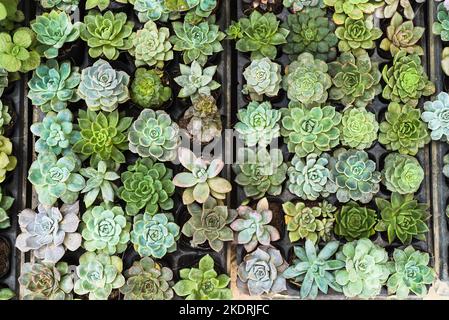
{"x":17,"y":51}
{"x":354,"y":9}
{"x":63,"y":5}
{"x":359,"y":128}
{"x":7,"y":161}
{"x":402,"y":173}
{"x":355,"y":34}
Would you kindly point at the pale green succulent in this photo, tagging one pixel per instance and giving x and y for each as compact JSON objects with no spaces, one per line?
{"x":63,"y":5}
{"x":153,"y":10}
{"x":358,"y":128}
{"x":7,"y":161}
{"x":17,"y":52}
{"x":5,"y":117}
{"x":354,"y":9}
{"x":263,"y":77}
{"x":402,"y":173}
{"x":436,"y":115}
{"x":298,"y":5}
{"x":102,"y":4}
{"x":5,"y":204}
{"x":355,"y":34}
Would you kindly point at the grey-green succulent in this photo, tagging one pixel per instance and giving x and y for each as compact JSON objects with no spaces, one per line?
{"x":64,"y":5}
{"x":263,"y":77}
{"x":5,"y":204}
{"x":358,"y":128}
{"x":5,"y":117}
{"x":402,"y":173}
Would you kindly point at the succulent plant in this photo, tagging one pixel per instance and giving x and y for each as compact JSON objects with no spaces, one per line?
{"x":263,"y":77}
{"x":391,"y":7}
{"x":311,"y":223}
{"x":444,"y":61}
{"x":56,"y":133}
{"x":261,"y":272}
{"x":153,"y":10}
{"x":55,"y":178}
{"x":5,"y":204}
{"x":446,"y":166}
{"x":406,"y":79}
{"x":46,"y":281}
{"x":5,"y":117}
{"x":310,"y":31}
{"x":7,"y":161}
{"x":308,"y":177}
{"x":403,"y":130}
{"x":154,"y":235}
{"x":203,"y":283}
{"x":197,"y":42}
{"x":9,"y":15}
{"x":53,"y":30}
{"x":101,"y":4}
{"x":4,"y":81}
{"x":103,"y":136}
{"x":258,"y":124}
{"x":147,"y":185}
{"x":441,"y":27}
{"x":310,"y":130}
{"x":99,"y":180}
{"x":354,"y":9}
{"x":102,"y":87}
{"x":154,"y":135}
{"x":106,"y":34}
{"x":209,"y":222}
{"x":314,"y":270}
{"x":355,"y":79}
{"x":6,"y":294}
{"x":148,"y":89}
{"x":298,"y":5}
{"x":195,"y":81}
{"x":355,"y":222}
{"x":53,"y":85}
{"x":260,"y":173}
{"x":402,"y":174}
{"x":49,"y":232}
{"x":355,"y":34}
{"x":147,"y":280}
{"x":410,"y":273}
{"x":98,"y":274}
{"x":403,"y":218}
{"x":359,"y":128}
{"x":436,"y":115}
{"x":63,"y":5}
{"x":366,"y":269}
{"x":201,"y":180}
{"x":17,"y":51}
{"x":259,"y":34}
{"x":353,"y":176}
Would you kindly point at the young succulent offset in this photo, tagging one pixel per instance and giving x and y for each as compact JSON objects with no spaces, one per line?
{"x":263,"y":77}
{"x":195,"y":81}
{"x":5,"y":117}
{"x":441,"y":27}
{"x":354,"y":9}
{"x":355,"y":222}
{"x":402,"y":174}
{"x":148,"y":89}
{"x":358,"y":128}
{"x":17,"y":51}
{"x":64,"y":5}
{"x":99,"y":183}
{"x":153,"y":10}
{"x":355,"y":34}
{"x":436,"y":115}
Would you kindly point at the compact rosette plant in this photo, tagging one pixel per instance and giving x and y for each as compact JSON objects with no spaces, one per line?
{"x":103,"y":4}
{"x":441,"y":27}
{"x":9,"y":15}
{"x":5,"y":204}
{"x":354,"y":9}
{"x":298,"y":5}
{"x":355,"y":34}
{"x":436,"y":115}
{"x":358,"y":128}
{"x":355,"y":222}
{"x":7,"y":161}
{"x":17,"y":51}
{"x":402,"y":174}
{"x":63,"y":5}
{"x":154,"y":10}
{"x":263,"y":77}
{"x":391,"y":7}
{"x":149,"y":90}
{"x":4,"y":81}
{"x":5,"y":117}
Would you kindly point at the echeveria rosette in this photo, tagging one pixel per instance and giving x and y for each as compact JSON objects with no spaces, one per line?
{"x":307,"y":80}
{"x":53,"y":85}
{"x":314,"y":269}
{"x":310,"y":31}
{"x":391,"y":7}
{"x":98,"y":275}
{"x":49,"y":232}
{"x":154,"y":235}
{"x":17,"y":51}
{"x":314,"y":130}
{"x":56,"y":133}
{"x":252,"y":226}
{"x":355,"y":79}
{"x":203,"y":283}
{"x":5,"y":117}
{"x":200,"y":9}
{"x":4,"y":81}
{"x":298,"y":5}
{"x":154,"y":10}
{"x":105,"y":229}
{"x":260,"y":34}
{"x":258,"y":124}
{"x":260,"y":173}
{"x":355,"y":34}
{"x":7,"y":161}
{"x":107,"y":34}
{"x":154,"y":135}
{"x":196,"y":80}
{"x":263,"y":77}
{"x":148,"y":186}
{"x":406,"y":80}
{"x":403,"y":217}
{"x":353,"y":176}
{"x":56,"y":178}
{"x":403,"y":130}
{"x":47,"y":281}
{"x":410,"y":273}
{"x":402,"y":174}
{"x":355,"y":222}
{"x":436,"y":115}
{"x":209,"y":222}
{"x":102,"y":87}
{"x":441,"y":27}
{"x":354,"y":9}
{"x":99,"y":183}
{"x":5,"y":204}
{"x":261,"y":272}
{"x":53,"y":30}
{"x":64,"y":5}
{"x":148,"y":89}
{"x":358,"y":128}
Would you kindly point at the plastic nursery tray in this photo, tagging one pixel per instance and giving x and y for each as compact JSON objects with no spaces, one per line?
{"x":186,"y":255}
{"x":377,"y":153}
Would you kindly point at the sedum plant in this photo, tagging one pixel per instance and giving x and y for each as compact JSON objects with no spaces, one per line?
{"x":355,"y":79}
{"x":102,"y":87}
{"x":5,"y":204}
{"x":7,"y":161}
{"x":17,"y":51}
{"x":258,"y":124}
{"x":436,"y":115}
{"x":195,"y":81}
{"x":310,"y":130}
{"x":154,"y":135}
{"x":53,"y":30}
{"x":53,"y":85}
{"x":263,"y":77}
{"x":403,"y":130}
{"x":154,"y":235}
{"x":358,"y":129}
{"x":107,"y":34}
{"x":148,"y":89}
{"x":355,"y":34}
{"x":353,"y":9}
{"x":201,"y":179}
{"x":355,"y":222}
{"x":56,"y":133}
{"x":98,"y":275}
{"x":260,"y":173}
{"x":402,"y":173}
{"x":298,"y":5}
{"x":209,"y":222}
{"x":148,"y":186}
{"x":314,"y":269}
{"x":49,"y":232}
{"x":153,"y":10}
{"x":441,"y":27}
{"x":307,"y":80}
{"x":252,"y":226}
{"x":403,"y":218}
{"x":353,"y":176}
{"x":310,"y":31}
{"x":5,"y":117}
{"x":99,"y":183}
{"x":203,"y":283}
{"x":261,"y":272}
{"x":63,"y":5}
